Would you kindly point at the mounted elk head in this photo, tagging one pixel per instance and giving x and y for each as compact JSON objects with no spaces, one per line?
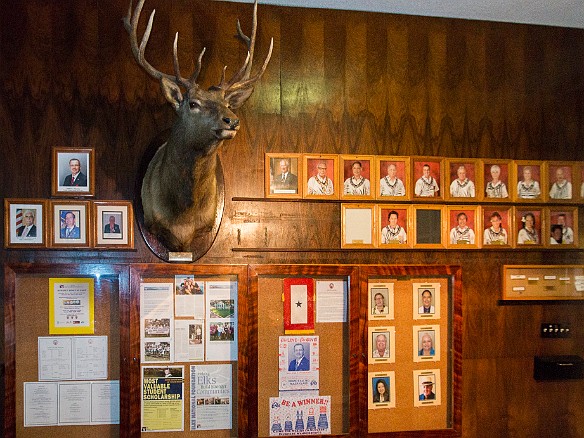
{"x":182,"y":194}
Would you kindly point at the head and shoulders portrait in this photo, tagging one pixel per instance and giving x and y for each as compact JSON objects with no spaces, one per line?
{"x":320,"y":174}
{"x":73,"y":172}
{"x":427,"y":387}
{"x":462,"y":223}
{"x":529,"y":180}
{"x":356,"y":172}
{"x":283,"y":175}
{"x":393,"y":221}
{"x":529,"y":226}
{"x":496,"y":177}
{"x":427,"y":175}
{"x":24,"y":223}
{"x":463,"y":177}
{"x":563,"y":226}
{"x":560,"y":176}
{"x":393,"y":177}
{"x":496,"y":227}
{"x":381,"y":305}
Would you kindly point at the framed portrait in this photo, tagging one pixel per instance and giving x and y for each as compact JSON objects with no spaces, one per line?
{"x":381,"y":344}
{"x":464,"y":177}
{"x":561,"y":177}
{"x":529,"y":223}
{"x":426,"y":343}
{"x":393,"y":226}
{"x":114,"y":224}
{"x":427,"y":387}
{"x":358,"y":222}
{"x":24,"y":223}
{"x":530,"y":181}
{"x":562,"y":227}
{"x":497,"y":179}
{"x":427,"y":178}
{"x":462,"y":226}
{"x":428,"y":226}
{"x":381,"y":390}
{"x":580,"y":180}
{"x":498,"y":227}
{"x":381,"y":305}
{"x":70,"y":228}
{"x":426,"y":300}
{"x":283,"y":174}
{"x":320,"y":176}
{"x":392,"y":175}
{"x":73,"y":172}
{"x":356,"y":176}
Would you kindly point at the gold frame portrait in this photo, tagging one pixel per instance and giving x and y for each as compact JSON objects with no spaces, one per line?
{"x":60,"y":171}
{"x":82,"y":212}
{"x":310,"y":164}
{"x":474,"y":176}
{"x":271,"y":171}
{"x":13,"y":211}
{"x":472,"y":222}
{"x":519,"y":214}
{"x":403,"y":173}
{"x":368,"y":174}
{"x":569,"y":167}
{"x":507,"y":223}
{"x":570,"y":230}
{"x":123,"y":213}
{"x":383,"y":211}
{"x":506,"y":177}
{"x":538,"y":174}
{"x":416,"y":169}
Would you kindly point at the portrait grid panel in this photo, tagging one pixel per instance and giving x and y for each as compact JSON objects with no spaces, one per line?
{"x":402,"y":411}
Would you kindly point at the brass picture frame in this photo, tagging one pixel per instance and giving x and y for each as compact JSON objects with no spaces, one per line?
{"x":357,"y":176}
{"x":67,"y":162}
{"x":283,"y":174}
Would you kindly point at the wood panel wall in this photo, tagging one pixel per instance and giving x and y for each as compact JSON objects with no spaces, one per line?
{"x":338,"y":82}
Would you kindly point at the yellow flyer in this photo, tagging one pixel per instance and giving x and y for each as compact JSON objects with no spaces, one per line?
{"x":71,"y":307}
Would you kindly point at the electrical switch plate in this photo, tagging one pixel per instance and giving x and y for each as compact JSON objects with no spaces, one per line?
{"x":555,"y":330}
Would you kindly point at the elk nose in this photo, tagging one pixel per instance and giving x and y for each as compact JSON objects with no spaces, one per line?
{"x":233,"y":123}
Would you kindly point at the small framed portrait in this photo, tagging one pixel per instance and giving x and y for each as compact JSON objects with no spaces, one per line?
{"x":428,"y":226}
{"x":580,"y":181}
{"x":283,"y":173}
{"x":381,"y":344}
{"x":320,"y":176}
{"x":426,"y":300}
{"x":73,"y":172}
{"x":427,"y":387}
{"x":358,"y":221}
{"x":496,"y":177}
{"x":427,"y":178}
{"x":71,"y":224}
{"x":497,"y":227}
{"x":464,"y":177}
{"x":462,"y":223}
{"x":393,"y":177}
{"x":381,"y":304}
{"x":530,"y":179}
{"x":382,"y":390}
{"x":114,"y":222}
{"x":561,"y":178}
{"x":24,"y":223}
{"x":356,"y":176}
{"x":529,"y":225}
{"x":394,"y":225}
{"x":562,"y":226}
{"x":426,"y":343}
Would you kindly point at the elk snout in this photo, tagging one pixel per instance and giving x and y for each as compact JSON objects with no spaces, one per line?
{"x":232,"y":123}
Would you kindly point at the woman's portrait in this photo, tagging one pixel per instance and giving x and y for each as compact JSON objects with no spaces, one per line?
{"x":529,"y":227}
{"x":381,"y":390}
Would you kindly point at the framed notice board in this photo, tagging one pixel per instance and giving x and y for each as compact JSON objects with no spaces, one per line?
{"x":543,"y":282}
{"x":413,"y":349}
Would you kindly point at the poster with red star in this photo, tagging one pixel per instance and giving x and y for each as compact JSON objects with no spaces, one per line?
{"x":298,"y":306}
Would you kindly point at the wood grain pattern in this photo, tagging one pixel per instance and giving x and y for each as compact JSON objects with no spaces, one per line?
{"x":338,"y":82}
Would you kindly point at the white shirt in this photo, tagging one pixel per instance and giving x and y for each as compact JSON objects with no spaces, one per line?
{"x":391,"y":187}
{"x":462,"y":235}
{"x":426,"y":187}
{"x":528,"y":191}
{"x":393,"y":235}
{"x":357,"y":187}
{"x":498,"y":190}
{"x":464,"y":189}
{"x":561,"y":191}
{"x":317,"y":186}
{"x":492,"y":237}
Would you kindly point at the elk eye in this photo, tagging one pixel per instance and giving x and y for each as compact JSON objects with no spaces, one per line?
{"x":194,"y":104}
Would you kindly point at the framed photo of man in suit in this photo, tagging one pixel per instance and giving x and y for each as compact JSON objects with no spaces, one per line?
{"x":24,"y":223}
{"x":283,"y":172}
{"x":113,"y":224}
{"x":73,"y":172}
{"x":70,"y":224}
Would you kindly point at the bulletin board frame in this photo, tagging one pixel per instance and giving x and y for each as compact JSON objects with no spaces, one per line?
{"x":451,"y":297}
{"x":13,"y":274}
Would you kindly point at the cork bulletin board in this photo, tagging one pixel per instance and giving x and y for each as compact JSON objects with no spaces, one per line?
{"x":26,"y":307}
{"x":406,"y":365}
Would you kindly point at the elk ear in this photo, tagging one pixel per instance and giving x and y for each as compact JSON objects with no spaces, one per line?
{"x":238,"y":97}
{"x":171,"y":92}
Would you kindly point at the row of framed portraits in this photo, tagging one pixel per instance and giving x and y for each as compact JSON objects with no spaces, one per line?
{"x":405,"y":226}
{"x":41,"y":223}
{"x":329,"y":176}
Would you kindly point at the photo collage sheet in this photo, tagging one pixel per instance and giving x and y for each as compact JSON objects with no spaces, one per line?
{"x":193,"y":319}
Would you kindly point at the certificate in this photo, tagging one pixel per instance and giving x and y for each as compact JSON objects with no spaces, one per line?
{"x":71,"y":306}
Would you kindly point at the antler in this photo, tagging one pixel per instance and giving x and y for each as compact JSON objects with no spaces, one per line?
{"x":240,"y":80}
{"x":131,"y":25}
